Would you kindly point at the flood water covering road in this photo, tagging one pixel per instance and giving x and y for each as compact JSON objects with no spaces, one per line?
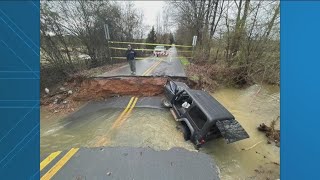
{"x":251,"y":158}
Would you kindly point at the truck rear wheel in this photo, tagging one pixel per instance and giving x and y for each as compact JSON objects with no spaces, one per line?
{"x":186,"y":132}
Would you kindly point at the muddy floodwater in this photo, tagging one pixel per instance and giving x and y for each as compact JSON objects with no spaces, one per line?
{"x":251,"y":107}
{"x":252,"y":158}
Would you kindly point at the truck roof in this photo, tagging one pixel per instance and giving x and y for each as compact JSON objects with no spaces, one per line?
{"x":209,"y":105}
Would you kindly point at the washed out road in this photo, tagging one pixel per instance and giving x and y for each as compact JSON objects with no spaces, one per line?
{"x":117,"y":110}
{"x":149,"y":125}
{"x":116,"y":122}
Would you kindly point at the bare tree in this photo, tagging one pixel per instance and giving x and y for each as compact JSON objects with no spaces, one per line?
{"x":82,"y":22}
{"x":53,"y":42}
{"x":247,"y":31}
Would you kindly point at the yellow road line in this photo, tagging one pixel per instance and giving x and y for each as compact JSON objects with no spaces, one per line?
{"x":149,"y":68}
{"x":152,"y":68}
{"x":105,"y":140}
{"x":130,"y":106}
{"x":122,"y":114}
{"x":147,"y":71}
{"x":128,"y":113}
{"x":48,"y":159}
{"x":59,"y":164}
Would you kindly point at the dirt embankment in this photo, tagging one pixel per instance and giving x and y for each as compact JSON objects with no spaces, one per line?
{"x":66,"y":94}
{"x":100,"y":88}
{"x":80,"y":89}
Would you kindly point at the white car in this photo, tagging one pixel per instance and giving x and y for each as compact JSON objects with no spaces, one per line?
{"x":160,"y":51}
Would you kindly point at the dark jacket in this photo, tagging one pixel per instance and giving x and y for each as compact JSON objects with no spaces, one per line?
{"x":131,"y":54}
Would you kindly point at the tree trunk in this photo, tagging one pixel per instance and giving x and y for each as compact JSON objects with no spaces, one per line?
{"x":271,"y":23}
{"x":207,"y":15}
{"x":214,"y":19}
{"x":240,"y":27}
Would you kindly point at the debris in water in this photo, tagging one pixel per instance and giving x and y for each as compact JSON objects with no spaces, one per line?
{"x":108,"y":173}
{"x":272,"y":133}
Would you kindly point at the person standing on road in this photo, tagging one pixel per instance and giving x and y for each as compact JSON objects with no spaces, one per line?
{"x":131,"y":55}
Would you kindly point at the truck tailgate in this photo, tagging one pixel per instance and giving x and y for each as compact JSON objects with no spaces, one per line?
{"x":231,"y":130}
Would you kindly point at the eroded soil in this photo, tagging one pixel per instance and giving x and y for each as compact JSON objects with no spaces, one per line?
{"x":99,"y":88}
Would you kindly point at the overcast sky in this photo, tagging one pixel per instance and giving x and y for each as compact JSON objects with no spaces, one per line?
{"x":150,"y":10}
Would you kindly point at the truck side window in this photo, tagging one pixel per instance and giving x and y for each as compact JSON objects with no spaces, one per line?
{"x":198,"y":117}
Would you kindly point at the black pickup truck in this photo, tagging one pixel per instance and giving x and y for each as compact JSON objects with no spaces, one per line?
{"x":202,"y":117}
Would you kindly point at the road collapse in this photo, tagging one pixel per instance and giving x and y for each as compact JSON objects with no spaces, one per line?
{"x":101,"y":87}
{"x":86,"y":89}
{"x":98,"y":88}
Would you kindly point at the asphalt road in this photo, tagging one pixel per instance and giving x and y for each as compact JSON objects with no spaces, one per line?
{"x":117,"y":102}
{"x":130,"y":163}
{"x":152,"y":66}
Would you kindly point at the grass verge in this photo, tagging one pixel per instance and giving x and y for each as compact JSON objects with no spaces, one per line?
{"x":184,"y":61}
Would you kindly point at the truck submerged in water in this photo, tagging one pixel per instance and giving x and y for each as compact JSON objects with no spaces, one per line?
{"x":202,"y":117}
